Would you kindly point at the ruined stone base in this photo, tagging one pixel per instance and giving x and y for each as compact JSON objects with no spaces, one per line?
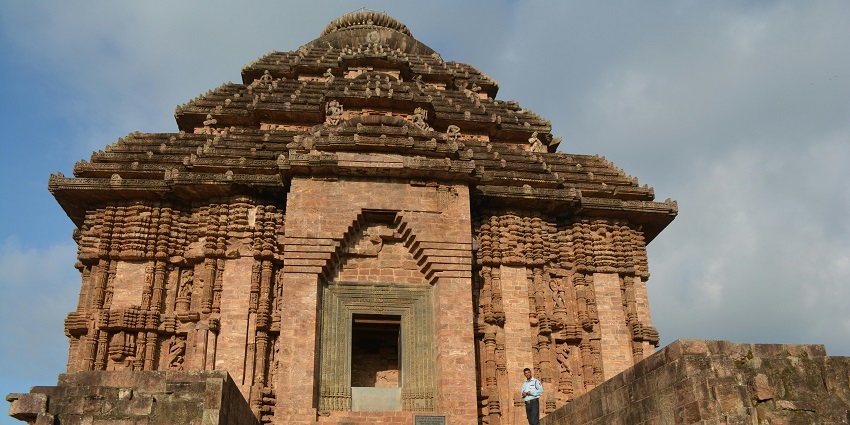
{"x":718,"y":382}
{"x":135,"y":398}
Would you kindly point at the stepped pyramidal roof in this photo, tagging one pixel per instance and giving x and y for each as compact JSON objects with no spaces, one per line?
{"x":365,"y":98}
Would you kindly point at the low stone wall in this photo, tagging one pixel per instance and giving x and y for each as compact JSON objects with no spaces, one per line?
{"x":714,"y":382}
{"x":125,"y":398}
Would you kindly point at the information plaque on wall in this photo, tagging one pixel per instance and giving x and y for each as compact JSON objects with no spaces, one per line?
{"x":429,"y":420}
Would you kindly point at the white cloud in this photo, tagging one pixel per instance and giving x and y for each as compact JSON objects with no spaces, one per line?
{"x":739,"y":112}
{"x":753,"y":255}
{"x":39,"y":287}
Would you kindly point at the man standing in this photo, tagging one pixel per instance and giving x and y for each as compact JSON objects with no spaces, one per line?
{"x":531,"y":391}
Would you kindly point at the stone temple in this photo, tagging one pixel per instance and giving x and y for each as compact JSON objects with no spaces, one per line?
{"x":358,"y":232}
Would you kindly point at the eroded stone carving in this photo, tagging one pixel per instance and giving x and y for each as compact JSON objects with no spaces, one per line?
{"x":208,"y":123}
{"x":333,"y":111}
{"x":453,"y":133}
{"x":535,"y":144}
{"x":176,"y":351}
{"x":420,"y":119}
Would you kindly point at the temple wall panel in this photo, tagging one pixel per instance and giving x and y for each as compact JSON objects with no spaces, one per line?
{"x":233,"y":342}
{"x":519,"y":337}
{"x":615,"y":342}
{"x":642,"y":303}
{"x":455,"y":358}
{"x":564,"y":297}
{"x":128,"y":284}
{"x":393,"y":263}
{"x":427,"y":241}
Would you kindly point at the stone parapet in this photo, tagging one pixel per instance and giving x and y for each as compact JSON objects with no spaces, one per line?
{"x":713,"y":382}
{"x":124,"y":397}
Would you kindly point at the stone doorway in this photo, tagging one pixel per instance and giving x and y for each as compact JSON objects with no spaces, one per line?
{"x":360,"y":321}
{"x":375,"y":351}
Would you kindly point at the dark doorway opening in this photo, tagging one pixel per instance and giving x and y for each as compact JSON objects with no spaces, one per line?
{"x":375,"y":351}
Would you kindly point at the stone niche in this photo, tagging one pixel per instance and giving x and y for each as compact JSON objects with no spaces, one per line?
{"x":349,"y":310}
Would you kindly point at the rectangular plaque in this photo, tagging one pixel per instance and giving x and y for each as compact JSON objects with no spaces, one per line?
{"x":429,"y":420}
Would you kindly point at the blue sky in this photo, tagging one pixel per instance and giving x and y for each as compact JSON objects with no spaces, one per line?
{"x":739,"y":111}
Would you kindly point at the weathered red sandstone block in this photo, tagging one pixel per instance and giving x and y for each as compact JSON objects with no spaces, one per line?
{"x":693,"y":381}
{"x":136,"y":397}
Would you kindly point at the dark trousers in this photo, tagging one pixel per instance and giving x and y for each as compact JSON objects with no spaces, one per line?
{"x":532,"y":411}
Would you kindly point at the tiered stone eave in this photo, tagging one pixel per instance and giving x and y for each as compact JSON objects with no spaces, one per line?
{"x":282,"y":101}
{"x":221,"y":162}
{"x":249,"y":151}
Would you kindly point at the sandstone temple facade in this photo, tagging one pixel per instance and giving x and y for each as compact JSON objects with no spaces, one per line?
{"x":358,"y":232}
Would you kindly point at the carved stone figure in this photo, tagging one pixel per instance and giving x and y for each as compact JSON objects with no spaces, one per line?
{"x":558,"y":293}
{"x":536,"y":145}
{"x":562,"y":355}
{"x":184,"y":290}
{"x":176,"y":351}
{"x":453,"y":133}
{"x":186,"y":278}
{"x":420,"y":119}
{"x":420,"y":86}
{"x":373,"y":37}
{"x":333,"y":111}
{"x":266,"y":77}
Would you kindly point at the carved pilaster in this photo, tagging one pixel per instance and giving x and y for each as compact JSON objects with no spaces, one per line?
{"x":218,"y":285}
{"x":147,"y":290}
{"x":99,"y":354}
{"x":587,"y":365}
{"x":158,"y":292}
{"x":208,"y":282}
{"x":101,"y":273}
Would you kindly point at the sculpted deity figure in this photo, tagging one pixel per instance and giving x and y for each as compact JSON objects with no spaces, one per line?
{"x":453,"y":132}
{"x":536,"y":145}
{"x":373,"y":37}
{"x":562,"y":353}
{"x":185,"y":290}
{"x":329,"y":75}
{"x":266,"y":78}
{"x":176,"y":351}
{"x":557,"y":287}
{"x":419,"y":84}
{"x":420,"y":118}
{"x":334,"y":112}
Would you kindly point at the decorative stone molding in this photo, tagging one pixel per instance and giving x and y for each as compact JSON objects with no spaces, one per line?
{"x":414,"y":304}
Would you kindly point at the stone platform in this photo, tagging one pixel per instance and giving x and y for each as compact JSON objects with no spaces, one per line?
{"x":719,"y":382}
{"x":135,"y":398}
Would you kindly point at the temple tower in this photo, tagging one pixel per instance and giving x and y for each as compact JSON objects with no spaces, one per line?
{"x":361,"y":232}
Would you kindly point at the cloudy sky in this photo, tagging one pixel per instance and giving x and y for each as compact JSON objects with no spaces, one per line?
{"x":740,"y":111}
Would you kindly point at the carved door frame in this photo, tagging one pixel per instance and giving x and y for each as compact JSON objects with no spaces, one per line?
{"x":413,"y":304}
